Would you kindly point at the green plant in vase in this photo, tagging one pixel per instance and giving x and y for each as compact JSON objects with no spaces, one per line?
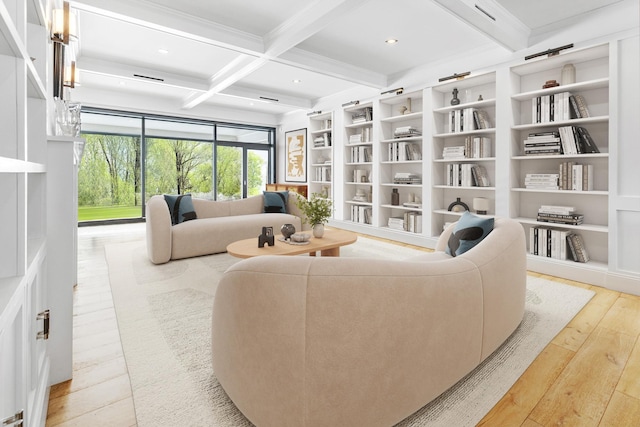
{"x":317,"y":210}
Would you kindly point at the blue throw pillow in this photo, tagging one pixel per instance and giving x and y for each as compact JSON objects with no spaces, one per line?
{"x":180,"y":208}
{"x":275,"y":201}
{"x":468,"y":232}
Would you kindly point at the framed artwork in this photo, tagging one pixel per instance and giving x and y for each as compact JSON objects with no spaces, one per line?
{"x":296,"y":151}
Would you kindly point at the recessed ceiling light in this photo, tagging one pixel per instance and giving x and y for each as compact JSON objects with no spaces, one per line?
{"x":163,"y":51}
{"x":296,"y":81}
{"x":391,"y":41}
{"x":122,"y":83}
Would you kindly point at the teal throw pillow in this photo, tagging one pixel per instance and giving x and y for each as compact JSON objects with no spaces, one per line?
{"x":275,"y":201}
{"x":180,"y":208}
{"x":468,"y":232}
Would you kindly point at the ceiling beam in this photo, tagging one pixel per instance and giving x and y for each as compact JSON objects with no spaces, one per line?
{"x":284,"y":37}
{"x":491,"y":19}
{"x":129,"y":72}
{"x":267,"y":96}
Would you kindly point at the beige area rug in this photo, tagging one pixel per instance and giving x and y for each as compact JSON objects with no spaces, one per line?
{"x":164,"y":315}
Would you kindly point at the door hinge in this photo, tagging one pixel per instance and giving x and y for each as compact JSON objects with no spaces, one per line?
{"x":15,"y":420}
{"x":44,"y":334}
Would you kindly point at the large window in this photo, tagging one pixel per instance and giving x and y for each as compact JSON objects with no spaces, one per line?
{"x":129,"y":155}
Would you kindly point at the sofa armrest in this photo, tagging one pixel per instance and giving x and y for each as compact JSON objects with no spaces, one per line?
{"x":158,"y":224}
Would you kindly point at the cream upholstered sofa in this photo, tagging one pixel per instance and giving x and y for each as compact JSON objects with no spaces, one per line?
{"x":219,"y":223}
{"x":306,"y":341}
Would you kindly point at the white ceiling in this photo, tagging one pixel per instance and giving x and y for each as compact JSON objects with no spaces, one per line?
{"x":245,"y":54}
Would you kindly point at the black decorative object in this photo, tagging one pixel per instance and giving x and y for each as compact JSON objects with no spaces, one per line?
{"x":287,"y":230}
{"x":455,"y":100}
{"x":266,"y":237}
{"x":458,"y":206}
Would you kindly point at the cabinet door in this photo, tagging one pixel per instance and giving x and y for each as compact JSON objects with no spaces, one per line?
{"x":11,"y":363}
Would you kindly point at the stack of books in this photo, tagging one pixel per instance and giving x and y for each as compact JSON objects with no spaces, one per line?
{"x":452,"y":153}
{"x":406,"y":131}
{"x":559,"y":215}
{"x":396,"y":223}
{"x":541,"y":181}
{"x":364,"y":115}
{"x":407,"y":178}
{"x":543,"y":143}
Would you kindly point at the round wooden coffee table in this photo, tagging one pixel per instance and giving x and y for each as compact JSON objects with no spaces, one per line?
{"x":327,"y":245}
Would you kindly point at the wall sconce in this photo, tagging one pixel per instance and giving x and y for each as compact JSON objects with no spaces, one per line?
{"x":64,"y":34}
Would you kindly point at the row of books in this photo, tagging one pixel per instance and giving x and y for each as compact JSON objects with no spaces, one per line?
{"x":468,"y":119}
{"x":557,"y":243}
{"x":361,"y":214}
{"x":363,"y":136}
{"x":361,"y":175}
{"x":361,"y":154}
{"x":409,"y":221}
{"x":577,"y":140}
{"x":364,"y":115}
{"x":323,"y":140}
{"x":466,"y":175}
{"x":566,"y":140}
{"x":404,"y":151}
{"x":558,"y":107}
{"x":560,"y":215}
{"x":475,"y":147}
{"x":323,"y":173}
{"x":574,"y":176}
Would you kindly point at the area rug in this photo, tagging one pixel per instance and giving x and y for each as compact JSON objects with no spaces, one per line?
{"x":164,"y":315}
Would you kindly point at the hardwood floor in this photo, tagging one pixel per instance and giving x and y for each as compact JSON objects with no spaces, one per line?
{"x":589,"y":375}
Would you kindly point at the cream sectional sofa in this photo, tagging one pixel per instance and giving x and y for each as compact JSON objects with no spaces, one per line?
{"x":219,"y":223}
{"x":306,"y":341}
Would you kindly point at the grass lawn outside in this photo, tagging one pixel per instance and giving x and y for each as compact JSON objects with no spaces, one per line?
{"x":93,"y":213}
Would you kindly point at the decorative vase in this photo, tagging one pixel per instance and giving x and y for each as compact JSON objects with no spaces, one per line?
{"x":287,"y":230}
{"x":395,"y":197}
{"x":318,"y":230}
{"x":455,"y":100}
{"x":568,"y":74}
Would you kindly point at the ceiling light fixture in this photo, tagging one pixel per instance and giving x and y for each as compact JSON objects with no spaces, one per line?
{"x":314,"y":113}
{"x":296,"y":81}
{"x":391,"y":41}
{"x":163,"y":51}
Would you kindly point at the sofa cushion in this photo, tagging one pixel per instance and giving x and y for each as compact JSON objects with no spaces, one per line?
{"x":468,"y":232}
{"x":275,"y":201}
{"x":180,"y":208}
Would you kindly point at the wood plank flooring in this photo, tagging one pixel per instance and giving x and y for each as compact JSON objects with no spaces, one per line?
{"x":589,"y":375}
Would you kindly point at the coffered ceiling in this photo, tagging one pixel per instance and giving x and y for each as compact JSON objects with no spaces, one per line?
{"x":284,"y":55}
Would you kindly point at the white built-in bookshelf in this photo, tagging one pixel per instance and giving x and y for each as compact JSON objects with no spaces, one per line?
{"x":358,"y":190}
{"x":321,"y":158}
{"x":24,"y":364}
{"x":492,"y":142}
